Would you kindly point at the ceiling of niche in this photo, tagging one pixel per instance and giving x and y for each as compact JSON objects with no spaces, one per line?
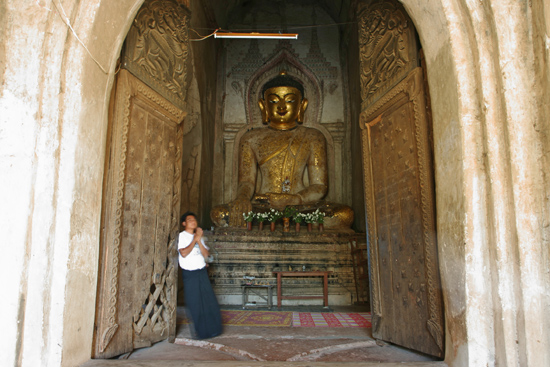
{"x":235,"y":15}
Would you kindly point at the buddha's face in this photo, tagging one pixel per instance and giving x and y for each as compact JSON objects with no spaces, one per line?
{"x":282,"y":107}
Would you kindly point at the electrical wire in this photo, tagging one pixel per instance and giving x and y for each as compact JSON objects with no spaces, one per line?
{"x":202,"y":37}
{"x":68,"y":23}
{"x":278,"y":29}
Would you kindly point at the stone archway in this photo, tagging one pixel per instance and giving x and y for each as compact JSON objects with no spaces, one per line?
{"x":488,"y":157}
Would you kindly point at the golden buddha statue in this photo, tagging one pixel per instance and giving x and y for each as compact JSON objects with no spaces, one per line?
{"x":282,"y":152}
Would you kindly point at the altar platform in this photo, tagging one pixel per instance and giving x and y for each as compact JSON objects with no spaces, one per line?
{"x":258,"y":254}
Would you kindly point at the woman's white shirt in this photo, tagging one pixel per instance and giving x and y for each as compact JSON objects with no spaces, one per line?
{"x":194,"y":260}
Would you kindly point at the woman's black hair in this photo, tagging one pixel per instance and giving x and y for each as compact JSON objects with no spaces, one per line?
{"x":185,"y":215}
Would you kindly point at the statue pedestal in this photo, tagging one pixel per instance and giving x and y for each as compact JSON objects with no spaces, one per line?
{"x":238,"y":253}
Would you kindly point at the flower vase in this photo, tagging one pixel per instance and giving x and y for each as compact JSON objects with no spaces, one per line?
{"x":309,"y":227}
{"x":249,"y":226}
{"x":321,"y":227}
{"x":286,"y":224}
{"x":272,"y":226}
{"x":297,"y":227}
{"x":261,"y":226}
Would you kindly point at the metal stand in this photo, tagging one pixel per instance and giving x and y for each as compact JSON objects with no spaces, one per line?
{"x":247,"y":288}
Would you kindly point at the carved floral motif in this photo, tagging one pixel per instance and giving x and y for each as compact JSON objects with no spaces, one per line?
{"x":111,"y":325}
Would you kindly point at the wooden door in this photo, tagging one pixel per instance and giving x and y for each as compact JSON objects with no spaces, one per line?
{"x":399,"y":192}
{"x":406,"y":299}
{"x":137,"y":285}
{"x":138,"y":271}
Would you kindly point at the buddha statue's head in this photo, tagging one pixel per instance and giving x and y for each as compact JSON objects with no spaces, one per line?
{"x":283,"y":103}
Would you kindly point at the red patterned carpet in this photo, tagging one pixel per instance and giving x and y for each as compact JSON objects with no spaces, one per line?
{"x":296,"y":319}
{"x":331,"y":319}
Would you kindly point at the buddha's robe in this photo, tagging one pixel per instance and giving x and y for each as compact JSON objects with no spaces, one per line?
{"x":283,"y":158}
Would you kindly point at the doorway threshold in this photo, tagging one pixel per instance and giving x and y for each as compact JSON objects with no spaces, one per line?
{"x":175,"y":363}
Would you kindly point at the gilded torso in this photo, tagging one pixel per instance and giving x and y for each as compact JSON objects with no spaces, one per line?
{"x":284,"y":156}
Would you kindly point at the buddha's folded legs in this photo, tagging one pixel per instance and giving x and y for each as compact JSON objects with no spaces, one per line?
{"x":337,"y":216}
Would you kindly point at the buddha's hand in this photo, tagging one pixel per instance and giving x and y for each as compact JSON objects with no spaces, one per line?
{"x":280,"y":201}
{"x":236,"y":210}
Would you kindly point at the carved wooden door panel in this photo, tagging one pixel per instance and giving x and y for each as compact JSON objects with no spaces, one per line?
{"x":137,"y":285}
{"x":406,"y":294}
{"x":138,"y":272}
{"x":398,"y":175}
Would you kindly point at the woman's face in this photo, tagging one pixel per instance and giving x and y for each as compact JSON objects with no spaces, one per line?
{"x":190,"y":222}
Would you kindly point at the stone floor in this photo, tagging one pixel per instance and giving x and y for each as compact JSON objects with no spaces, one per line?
{"x":274,"y":346}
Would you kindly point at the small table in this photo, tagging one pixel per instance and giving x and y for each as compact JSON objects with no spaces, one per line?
{"x":254,"y":289}
{"x":281,"y":274}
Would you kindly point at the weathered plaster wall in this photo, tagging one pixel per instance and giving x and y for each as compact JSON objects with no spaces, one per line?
{"x":488,"y":74}
{"x":53,"y":110}
{"x":490,"y":215}
{"x":541,"y":46}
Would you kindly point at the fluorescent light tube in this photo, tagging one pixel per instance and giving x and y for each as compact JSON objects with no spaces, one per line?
{"x":256,"y":35}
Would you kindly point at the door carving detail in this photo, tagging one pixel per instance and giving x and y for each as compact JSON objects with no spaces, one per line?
{"x":137,"y":284}
{"x":111,"y":268}
{"x":400,"y":204}
{"x":387,"y":46}
{"x":157,"y":49}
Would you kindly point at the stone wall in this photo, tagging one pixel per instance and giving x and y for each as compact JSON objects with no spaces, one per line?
{"x":239,"y":253}
{"x":198,"y":144}
{"x":351,"y":50}
{"x":490,"y":183}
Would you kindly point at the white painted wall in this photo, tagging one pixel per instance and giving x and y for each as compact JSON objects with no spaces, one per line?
{"x":53,"y":116}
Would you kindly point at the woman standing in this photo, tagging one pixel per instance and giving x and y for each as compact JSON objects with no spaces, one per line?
{"x":201,"y":302}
